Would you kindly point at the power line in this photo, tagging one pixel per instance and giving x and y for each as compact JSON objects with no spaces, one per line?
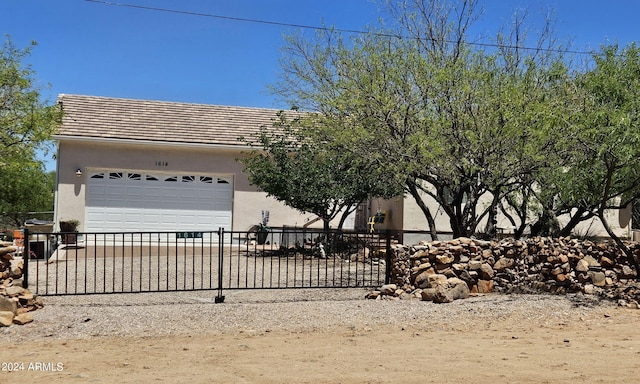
{"x":317,"y":28}
{"x":222,"y":17}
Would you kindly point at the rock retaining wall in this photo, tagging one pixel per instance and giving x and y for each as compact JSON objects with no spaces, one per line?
{"x":15,"y":302}
{"x":429,"y":270}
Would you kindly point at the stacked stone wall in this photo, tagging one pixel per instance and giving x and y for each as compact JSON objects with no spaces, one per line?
{"x":557,"y":265}
{"x":15,"y":301}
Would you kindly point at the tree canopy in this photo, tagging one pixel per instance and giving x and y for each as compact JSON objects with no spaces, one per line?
{"x":26,"y":189}
{"x":310,"y":174}
{"x":449,"y":121}
{"x":604,"y":169}
{"x":26,"y":125}
{"x":27,"y":122}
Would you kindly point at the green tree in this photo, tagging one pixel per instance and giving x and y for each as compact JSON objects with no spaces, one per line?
{"x":545,"y":147}
{"x":26,"y":122}
{"x":452,"y":122}
{"x":26,"y":126}
{"x":297,"y":167}
{"x":25,"y":188}
{"x":604,"y":172}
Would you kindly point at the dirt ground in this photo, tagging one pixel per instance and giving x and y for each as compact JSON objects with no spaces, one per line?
{"x":596,"y":347}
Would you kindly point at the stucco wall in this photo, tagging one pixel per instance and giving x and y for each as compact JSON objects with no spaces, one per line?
{"x":393,"y":210}
{"x":413,"y":218}
{"x":248,"y":201}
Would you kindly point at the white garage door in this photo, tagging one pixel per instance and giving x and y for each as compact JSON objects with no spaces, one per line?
{"x":125,"y":201}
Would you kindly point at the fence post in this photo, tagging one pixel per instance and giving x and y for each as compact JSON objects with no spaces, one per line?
{"x":25,"y":259}
{"x":387,"y":272}
{"x":220,"y":297}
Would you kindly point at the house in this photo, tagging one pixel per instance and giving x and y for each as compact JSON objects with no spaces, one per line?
{"x":139,"y":165}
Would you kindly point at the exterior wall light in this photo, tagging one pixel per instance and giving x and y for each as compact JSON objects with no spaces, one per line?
{"x":78,"y":172}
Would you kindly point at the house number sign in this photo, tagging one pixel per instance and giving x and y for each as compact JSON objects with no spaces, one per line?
{"x":162,"y":163}
{"x":189,"y":235}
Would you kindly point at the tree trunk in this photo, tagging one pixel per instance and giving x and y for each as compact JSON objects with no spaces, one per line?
{"x":521,"y":212}
{"x":547,"y":224}
{"x":425,"y":210}
{"x":463,"y":222}
{"x":491,"y":229}
{"x":573,"y":222}
{"x":623,"y":247}
{"x":457,"y":227}
{"x":348,"y":210}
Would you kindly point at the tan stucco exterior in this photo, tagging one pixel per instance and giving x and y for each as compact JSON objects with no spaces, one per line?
{"x":414,"y":219}
{"x":87,"y":155}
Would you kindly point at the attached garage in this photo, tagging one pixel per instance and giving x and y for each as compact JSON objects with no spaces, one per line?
{"x":127,"y":201}
{"x":126,"y":165}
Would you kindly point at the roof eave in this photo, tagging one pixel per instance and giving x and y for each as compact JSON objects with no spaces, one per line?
{"x":174,"y":144}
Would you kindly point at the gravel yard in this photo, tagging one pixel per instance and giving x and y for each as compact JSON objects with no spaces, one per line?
{"x":321,"y":336}
{"x":186,"y":313}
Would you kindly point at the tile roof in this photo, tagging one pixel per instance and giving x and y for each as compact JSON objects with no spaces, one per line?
{"x":93,"y":117}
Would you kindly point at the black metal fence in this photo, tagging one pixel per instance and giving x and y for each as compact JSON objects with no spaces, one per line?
{"x":278,"y":258}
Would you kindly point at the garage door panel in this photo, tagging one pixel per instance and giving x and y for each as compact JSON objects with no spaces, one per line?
{"x":114,"y":215}
{"x":145,"y":202}
{"x":154,"y":191}
{"x":115,"y":190}
{"x":150,"y":216}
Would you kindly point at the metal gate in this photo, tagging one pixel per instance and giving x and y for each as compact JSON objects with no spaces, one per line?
{"x":282,"y":258}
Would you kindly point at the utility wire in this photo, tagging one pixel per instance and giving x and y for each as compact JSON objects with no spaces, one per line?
{"x":302,"y":26}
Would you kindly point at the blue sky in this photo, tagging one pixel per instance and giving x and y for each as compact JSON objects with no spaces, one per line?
{"x":106,"y":50}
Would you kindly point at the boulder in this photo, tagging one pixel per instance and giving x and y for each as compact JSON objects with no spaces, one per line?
{"x":592,"y":261}
{"x":23,"y":319}
{"x":597,"y":278}
{"x":442,"y":295}
{"x":475,"y":265}
{"x":486,"y":272}
{"x":6,"y":318}
{"x":16,"y":272}
{"x":26,"y":296}
{"x":8,"y":251}
{"x":436,"y":280}
{"x":446,"y":258}
{"x":373,"y":295}
{"x":458,"y":289}
{"x":589,"y":289}
{"x":485,"y":286}
{"x":15,"y":290}
{"x":504,"y":263}
{"x":456,"y":249}
{"x":627,"y":272}
{"x":7,"y":305}
{"x":422,"y":280}
{"x":607,"y":262}
{"x":428,"y":294}
{"x":452,"y":289}
{"x":582,"y":265}
{"x":421,"y":268}
{"x":388,"y":289}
